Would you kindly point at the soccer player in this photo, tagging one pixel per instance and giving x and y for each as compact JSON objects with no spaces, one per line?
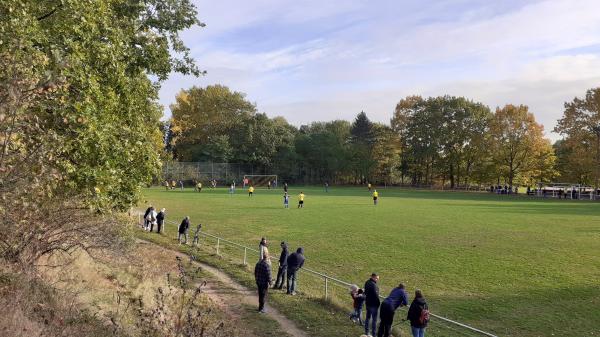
{"x":250,"y":191}
{"x":301,"y":200}
{"x":369,"y":186}
{"x":286,"y":200}
{"x":375,"y":196}
{"x":199,"y":187}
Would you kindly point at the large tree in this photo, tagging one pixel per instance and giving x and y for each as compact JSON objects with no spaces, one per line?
{"x":517,"y":144}
{"x":580,"y":149}
{"x":79,"y":119}
{"x":207,"y":123}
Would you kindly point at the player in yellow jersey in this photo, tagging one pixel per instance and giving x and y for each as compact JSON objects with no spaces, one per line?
{"x":375,"y":197}
{"x":301,"y":200}
{"x":250,"y":191}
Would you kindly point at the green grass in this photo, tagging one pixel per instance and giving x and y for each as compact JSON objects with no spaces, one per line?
{"x":510,"y":265}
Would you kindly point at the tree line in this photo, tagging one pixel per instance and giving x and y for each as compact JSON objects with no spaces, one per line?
{"x":433,"y":141}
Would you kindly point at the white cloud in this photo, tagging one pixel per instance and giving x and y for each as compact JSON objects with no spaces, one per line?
{"x":526,"y":55}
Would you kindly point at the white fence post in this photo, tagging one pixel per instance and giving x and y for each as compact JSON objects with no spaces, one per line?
{"x":326,"y":290}
{"x":245,"y":253}
{"x":218,"y":242}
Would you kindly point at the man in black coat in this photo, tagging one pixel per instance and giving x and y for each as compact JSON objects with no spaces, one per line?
{"x":281,"y":273}
{"x":183,"y":228}
{"x":372,"y":303}
{"x":262,"y":275}
{"x":294,"y":262}
{"x":148,"y":210}
{"x":160,"y":220}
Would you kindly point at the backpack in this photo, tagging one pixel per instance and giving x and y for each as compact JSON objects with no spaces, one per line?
{"x":424,"y":317}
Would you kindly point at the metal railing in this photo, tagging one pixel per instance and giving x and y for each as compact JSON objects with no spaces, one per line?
{"x":326,"y":278}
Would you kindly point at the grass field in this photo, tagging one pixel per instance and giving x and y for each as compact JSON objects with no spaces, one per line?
{"x":510,"y":265}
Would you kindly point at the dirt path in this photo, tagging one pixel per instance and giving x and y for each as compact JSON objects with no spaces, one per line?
{"x":232,"y":297}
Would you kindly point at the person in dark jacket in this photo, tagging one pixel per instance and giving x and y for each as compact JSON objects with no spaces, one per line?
{"x":372,"y":303}
{"x":160,"y":220}
{"x":183,"y":229}
{"x":148,"y":210}
{"x":281,"y":273}
{"x":397,"y":298}
{"x":294,"y":262}
{"x":416,"y":315}
{"x":262,"y":275}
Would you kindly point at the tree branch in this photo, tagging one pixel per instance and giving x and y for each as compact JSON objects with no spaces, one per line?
{"x":45,"y":16}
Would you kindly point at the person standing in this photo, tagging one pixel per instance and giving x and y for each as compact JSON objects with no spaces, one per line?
{"x":294,"y":262}
{"x":269,"y":185}
{"x":199,"y":187}
{"x":301,"y":200}
{"x":197,"y":235}
{"x":286,"y":200}
{"x":160,"y":220}
{"x":418,"y":315}
{"x":375,"y":197}
{"x":369,"y":186}
{"x":146,"y":213}
{"x":372,"y":303}
{"x":262,"y":246}
{"x":152,"y":219}
{"x":181,"y":184}
{"x":250,"y":191}
{"x":262,"y":275}
{"x":183,"y":229}
{"x":282,"y":272}
{"x":397,"y":298}
{"x":285,"y":187}
{"x":326,"y":187}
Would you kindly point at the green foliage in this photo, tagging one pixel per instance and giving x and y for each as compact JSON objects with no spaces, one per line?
{"x":579,"y":154}
{"x":79,"y":122}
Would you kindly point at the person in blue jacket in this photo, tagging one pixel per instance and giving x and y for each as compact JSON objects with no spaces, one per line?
{"x":397,"y":298}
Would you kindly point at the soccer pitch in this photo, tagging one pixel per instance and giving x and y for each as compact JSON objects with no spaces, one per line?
{"x":512,"y":265}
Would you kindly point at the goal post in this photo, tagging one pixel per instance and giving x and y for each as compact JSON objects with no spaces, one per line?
{"x":260,"y":180}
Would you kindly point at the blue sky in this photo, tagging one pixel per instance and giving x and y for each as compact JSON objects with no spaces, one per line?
{"x":325,"y":60}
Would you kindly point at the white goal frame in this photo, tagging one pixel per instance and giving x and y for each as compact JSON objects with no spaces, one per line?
{"x":274,"y":181}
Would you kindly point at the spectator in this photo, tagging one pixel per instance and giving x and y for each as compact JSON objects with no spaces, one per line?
{"x":397,"y":298}
{"x":262,"y":275}
{"x":281,"y":273}
{"x":181,"y":184}
{"x":148,"y":210}
{"x":152,"y":217}
{"x":285,"y":187}
{"x":261,"y":248}
{"x":418,"y":315}
{"x":197,"y":235}
{"x":295,"y":261}
{"x":183,"y":229}
{"x":358,"y":299}
{"x":326,"y":187}
{"x":372,"y":303}
{"x":160,"y":220}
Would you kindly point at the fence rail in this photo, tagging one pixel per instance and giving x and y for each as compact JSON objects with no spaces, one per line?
{"x":327,"y":279}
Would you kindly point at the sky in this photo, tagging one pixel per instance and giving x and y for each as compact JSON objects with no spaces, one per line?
{"x":321,"y":60}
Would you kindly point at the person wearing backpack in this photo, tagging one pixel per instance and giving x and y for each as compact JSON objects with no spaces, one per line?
{"x":418,"y":315}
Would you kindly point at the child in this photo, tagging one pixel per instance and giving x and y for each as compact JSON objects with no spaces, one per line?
{"x":375,"y":197}
{"x":250,"y":191}
{"x":301,"y":200}
{"x":199,"y":187}
{"x":286,"y":200}
{"x":197,"y":235}
{"x":358,"y":298}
